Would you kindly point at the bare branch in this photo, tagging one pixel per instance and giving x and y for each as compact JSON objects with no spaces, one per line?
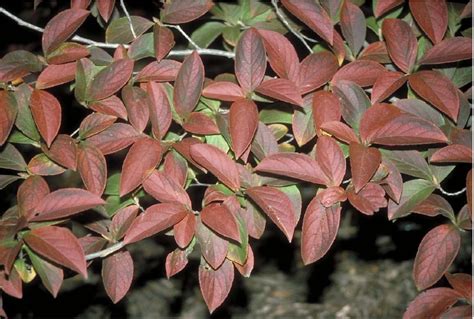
{"x":191,"y":41}
{"x":105,"y":252}
{"x":451,"y":194}
{"x":124,"y":8}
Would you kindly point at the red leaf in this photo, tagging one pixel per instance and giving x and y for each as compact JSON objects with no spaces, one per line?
{"x":452,"y":154}
{"x":8,"y":109}
{"x":277,"y":206}
{"x":94,"y":123}
{"x":58,"y":244}
{"x":117,"y":274}
{"x":188,"y":84}
{"x":218,"y":163}
{"x":250,"y":60}
{"x":163,"y":41}
{"x":166,"y":190}
{"x":294,"y":165}
{"x":435,"y":254}
{"x":386,"y":84}
{"x":138,"y":106}
{"x":165,"y":70}
{"x":320,"y":227}
{"x":160,"y":109}
{"x":464,"y":311}
{"x":216,"y":284}
{"x":65,"y":202}
{"x":41,"y":165}
{"x":383,"y":6}
{"x":308,"y":80}
{"x":46,"y":112}
{"x":369,"y":199}
{"x":111,"y":106}
{"x":175,"y":262}
{"x":213,"y":247}
{"x":176,"y":168}
{"x":282,"y":90}
{"x":438,"y":90}
{"x":376,"y":51}
{"x":155,"y":219}
{"x":12,"y":286}
{"x":224,"y":91}
{"x":331,"y":196}
{"x":433,"y":206}
{"x":105,"y":7}
{"x":67,"y":52}
{"x":393,"y":183}
{"x":313,"y":15}
{"x":462,"y":283}
{"x":353,"y":26}
{"x":30,"y":193}
{"x":184,"y":148}
{"x":182,"y":11}
{"x":54,"y":75}
{"x":139,"y":163}
{"x":281,"y":55}
{"x":401,"y":43}
{"x":110,"y":79}
{"x":449,"y":50}
{"x":431,"y":303}
{"x":218,"y":218}
{"x":243,"y":122}
{"x":361,"y":72}
{"x":122,"y":220}
{"x":331,"y":159}
{"x":340,"y":131}
{"x":200,"y":124}
{"x":431,"y":16}
{"x":61,"y":27}
{"x":364,"y":163}
{"x":246,"y":269}
{"x":92,"y":167}
{"x":115,"y":138}
{"x":184,"y":230}
{"x":63,"y":151}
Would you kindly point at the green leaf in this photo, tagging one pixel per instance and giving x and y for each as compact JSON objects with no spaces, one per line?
{"x":459,"y":76}
{"x":439,"y":173}
{"x":231,"y":34}
{"x":271,"y":115}
{"x":24,"y":120}
{"x":303,"y":123}
{"x":238,"y":252}
{"x":207,"y":33}
{"x":410,"y":163}
{"x":11,"y":158}
{"x":142,"y":47}
{"x":218,"y":141}
{"x":414,"y":192}
{"x":119,"y":31}
{"x":18,"y":137}
{"x":294,"y":195}
{"x":113,"y":185}
{"x":51,"y":276}
{"x":6,"y":180}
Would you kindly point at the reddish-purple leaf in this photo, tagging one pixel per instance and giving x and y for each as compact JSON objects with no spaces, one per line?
{"x":165,"y":70}
{"x":175,"y":167}
{"x":387,"y":83}
{"x":122,"y":220}
{"x":449,"y":50}
{"x":184,"y":148}
{"x":452,"y":154}
{"x":433,"y":206}
{"x":401,"y":43}
{"x":155,"y":219}
{"x":213,"y":247}
{"x":331,"y":195}
{"x":188,"y":84}
{"x":61,"y":27}
{"x":200,"y":124}
{"x":67,"y":52}
{"x":65,"y":202}
{"x":383,"y":6}
{"x":94,"y":123}
{"x":340,"y":131}
{"x":30,"y":193}
{"x":435,"y":254}
{"x":8,"y":111}
{"x":115,"y":138}
{"x":376,"y":51}
{"x":281,"y":54}
{"x":46,"y":112}
{"x":282,"y":90}
{"x":165,"y":189}
{"x":54,"y":75}
{"x":218,"y":163}
{"x":163,"y":41}
{"x":462,"y":283}
{"x":438,"y":90}
{"x":160,"y":109}
{"x":250,"y":60}
{"x":463,"y":311}
{"x":184,"y":230}
{"x":117,"y":274}
{"x":224,"y":91}
{"x":175,"y":262}
{"x":63,"y":151}
{"x":13,"y":285}
{"x":182,"y":11}
{"x":331,"y":160}
{"x":361,"y":72}
{"x":293,"y":165}
{"x":112,"y":106}
{"x":218,"y":218}
{"x":51,"y":276}
{"x":246,"y":269}
{"x":277,"y":206}
{"x":58,"y":244}
{"x":308,"y":80}
{"x":353,"y":26}
{"x":92,"y":167}
{"x":431,"y":303}
{"x":139,"y":163}
{"x":364,"y":163}
{"x":431,"y":16}
{"x":243,"y":122}
{"x":393,"y":183}
{"x":110,"y":79}
{"x":105,"y":7}
{"x":41,"y":165}
{"x":320,"y":226}
{"x":313,"y":15}
{"x":216,"y":284}
{"x":369,"y":199}
{"x":138,"y":106}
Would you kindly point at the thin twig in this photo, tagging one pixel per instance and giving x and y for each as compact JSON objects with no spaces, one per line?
{"x":451,"y":194}
{"x":200,"y":185}
{"x":74,"y":133}
{"x":290,"y":28}
{"x":124,"y":8}
{"x":185,"y":35}
{"x":106,"y":252}
{"x":80,"y":39}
